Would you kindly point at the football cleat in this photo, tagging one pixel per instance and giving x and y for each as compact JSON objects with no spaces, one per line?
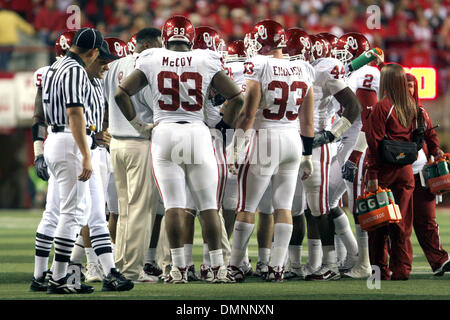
{"x":115,"y":281}
{"x":359,"y":271}
{"x":177,"y":275}
{"x":152,"y":269}
{"x":325,"y":273}
{"x":146,"y":278}
{"x":443,"y":269}
{"x":348,"y":264}
{"x":261,"y":270}
{"x":62,"y":287}
{"x":237,"y":273}
{"x":191,"y":274}
{"x":166,"y":272}
{"x":94,"y":272}
{"x":247,"y":268}
{"x":222,"y":275}
{"x":295,"y":271}
{"x":41,"y":283}
{"x":206,"y":273}
{"x":275,"y":274}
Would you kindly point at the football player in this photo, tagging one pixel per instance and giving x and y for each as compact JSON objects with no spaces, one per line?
{"x":183,"y":154}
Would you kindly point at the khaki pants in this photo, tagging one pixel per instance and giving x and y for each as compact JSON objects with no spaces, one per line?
{"x":138,"y":199}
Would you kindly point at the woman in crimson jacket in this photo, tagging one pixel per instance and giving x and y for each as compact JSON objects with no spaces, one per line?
{"x":393,"y":118}
{"x":424,"y":202}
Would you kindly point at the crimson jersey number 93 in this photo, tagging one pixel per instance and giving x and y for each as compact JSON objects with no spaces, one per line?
{"x":174,"y":90}
{"x":282,"y":101}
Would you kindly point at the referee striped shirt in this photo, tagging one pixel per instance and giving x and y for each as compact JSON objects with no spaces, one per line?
{"x":97,"y":103}
{"x":66,"y":84}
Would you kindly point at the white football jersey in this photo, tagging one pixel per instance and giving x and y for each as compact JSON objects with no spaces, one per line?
{"x":330,"y":79}
{"x":179,"y":82}
{"x":284,"y":85}
{"x":235,"y":70}
{"x":37,"y":77}
{"x":366,"y":77}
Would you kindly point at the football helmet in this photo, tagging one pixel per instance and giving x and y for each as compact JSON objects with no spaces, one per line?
{"x":64,"y":42}
{"x":298,"y":44}
{"x":178,"y":28}
{"x":117,"y":47}
{"x":266,"y":35}
{"x":320,"y":47}
{"x":208,"y":38}
{"x":131,"y":44}
{"x":236,"y":51}
{"x":330,"y":42}
{"x":350,"y":46}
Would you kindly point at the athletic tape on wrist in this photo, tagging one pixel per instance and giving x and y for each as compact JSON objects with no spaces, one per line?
{"x":38,"y":147}
{"x":361,"y":143}
{"x":340,"y":126}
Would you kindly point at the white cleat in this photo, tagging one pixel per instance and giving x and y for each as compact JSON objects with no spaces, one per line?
{"x":222,"y":275}
{"x":359,"y":272}
{"x":177,"y":275}
{"x":94,"y":272}
{"x":146,"y":278}
{"x":348,"y":264}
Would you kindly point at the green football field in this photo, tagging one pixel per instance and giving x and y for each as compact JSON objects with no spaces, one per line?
{"x":17,"y":230}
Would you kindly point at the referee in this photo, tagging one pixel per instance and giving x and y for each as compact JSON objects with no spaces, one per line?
{"x":65,"y":95}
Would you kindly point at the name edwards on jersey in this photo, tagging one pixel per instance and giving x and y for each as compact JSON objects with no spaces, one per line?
{"x":176,"y":62}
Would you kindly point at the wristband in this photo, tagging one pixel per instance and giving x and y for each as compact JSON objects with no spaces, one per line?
{"x":38,"y":147}
{"x":307,"y":145}
{"x":340,"y":126}
{"x":38,"y":131}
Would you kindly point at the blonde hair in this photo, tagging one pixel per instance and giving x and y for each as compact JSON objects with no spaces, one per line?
{"x":394,"y":85}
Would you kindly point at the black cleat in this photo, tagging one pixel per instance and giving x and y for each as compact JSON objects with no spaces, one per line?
{"x":62,"y":287}
{"x":115,"y":281}
{"x":40,"y":284}
{"x":152,"y":269}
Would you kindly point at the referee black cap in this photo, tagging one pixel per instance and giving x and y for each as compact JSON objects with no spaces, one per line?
{"x":105,"y":54}
{"x":88,"y":38}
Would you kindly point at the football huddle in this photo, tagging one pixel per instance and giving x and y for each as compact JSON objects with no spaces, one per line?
{"x":139,"y":139}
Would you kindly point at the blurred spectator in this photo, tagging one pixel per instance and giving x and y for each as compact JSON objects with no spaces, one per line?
{"x":421,"y":29}
{"x":10,"y":24}
{"x":49,"y":22}
{"x":418,"y":55}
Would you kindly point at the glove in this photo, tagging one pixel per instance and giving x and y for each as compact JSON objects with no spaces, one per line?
{"x":222,"y":127}
{"x":143,"y":128}
{"x":349,"y":171}
{"x":41,"y":167}
{"x":306,"y":166}
{"x":218,"y":100}
{"x":321,"y":138}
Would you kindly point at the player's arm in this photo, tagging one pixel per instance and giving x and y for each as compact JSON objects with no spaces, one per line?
{"x":132,"y":84}
{"x":251,"y":102}
{"x":231,"y":92}
{"x":352,"y":109}
{"x":38,"y":130}
{"x":306,"y":115}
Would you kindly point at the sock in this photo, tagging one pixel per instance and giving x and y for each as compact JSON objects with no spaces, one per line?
{"x":245,"y":260}
{"x":206,"y":257}
{"x":263,"y":255}
{"x":188,"y":254}
{"x":91,"y":257}
{"x":63,"y":250}
{"x":216,"y":258}
{"x":102,"y":248}
{"x":43,"y":245}
{"x":362,"y":237}
{"x":314,"y":253}
{"x":329,"y":255}
{"x":341,"y":252}
{"x":78,"y":251}
{"x":150,"y":256}
{"x":295,"y":254}
{"x":241,"y":236}
{"x":178,"y":257}
{"x":343,"y":229}
{"x":282,"y":236}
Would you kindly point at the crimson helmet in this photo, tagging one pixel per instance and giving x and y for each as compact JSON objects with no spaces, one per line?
{"x":64,"y":42}
{"x":330,"y":42}
{"x":266,"y":35}
{"x":350,"y":46}
{"x":236,"y":51}
{"x":117,"y":47}
{"x":208,"y":38}
{"x":131,"y":44}
{"x":178,"y":28}
{"x":320,"y":47}
{"x":298,"y":44}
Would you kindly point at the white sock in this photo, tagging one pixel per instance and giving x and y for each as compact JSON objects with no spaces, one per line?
{"x":188,"y":254}
{"x":78,"y":251}
{"x":264,"y":255}
{"x":91,"y":257}
{"x":107,"y":262}
{"x":241,"y":235}
{"x":282,"y":233}
{"x":59,"y":270}
{"x":150,"y":255}
{"x":245,"y":260}
{"x":295,"y":254}
{"x":216,"y":258}
{"x":343,"y":229}
{"x":206,"y":257}
{"x":178,"y":259}
{"x":329,"y":255}
{"x":362,"y":237}
{"x":341,"y":252}
{"x":40,"y":266}
{"x":314,"y":253}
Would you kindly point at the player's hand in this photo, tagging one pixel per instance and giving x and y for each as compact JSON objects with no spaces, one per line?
{"x":439,"y":155}
{"x":379,"y":57}
{"x":349,"y":171}
{"x":321,"y":138}
{"x":41,"y":167}
{"x":86,"y":169}
{"x":103,"y":138}
{"x":232,"y":163}
{"x":372,"y":185}
{"x":306,"y":167}
{"x":143,"y":128}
